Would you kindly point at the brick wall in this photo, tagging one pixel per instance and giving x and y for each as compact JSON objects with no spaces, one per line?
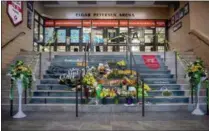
{"x":9,"y":31}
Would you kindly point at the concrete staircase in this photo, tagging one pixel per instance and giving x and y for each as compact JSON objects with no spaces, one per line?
{"x":49,"y":95}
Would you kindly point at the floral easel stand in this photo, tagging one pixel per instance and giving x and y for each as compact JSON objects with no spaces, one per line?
{"x":20,"y":113}
{"x":197,"y":110}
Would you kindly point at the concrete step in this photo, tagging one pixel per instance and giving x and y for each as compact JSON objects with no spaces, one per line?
{"x":122,"y":100}
{"x":111,"y":108}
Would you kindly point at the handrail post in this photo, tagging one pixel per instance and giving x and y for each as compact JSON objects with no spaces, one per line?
{"x":40,"y":64}
{"x":11,"y":100}
{"x":176,"y":65}
{"x":143,"y":97}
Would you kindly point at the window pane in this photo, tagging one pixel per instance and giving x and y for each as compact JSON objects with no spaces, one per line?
{"x":97,"y":36}
{"x":49,"y":34}
{"x":123,"y":31}
{"x":111,"y":34}
{"x":74,"y":36}
{"x":36,"y":31}
{"x":41,"y":20}
{"x":86,"y":35}
{"x":61,"y":36}
{"x":137,"y":36}
{"x":36,"y":16}
{"x":41,"y":30}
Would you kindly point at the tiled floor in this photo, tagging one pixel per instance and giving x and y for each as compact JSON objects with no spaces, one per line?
{"x":105,"y":121}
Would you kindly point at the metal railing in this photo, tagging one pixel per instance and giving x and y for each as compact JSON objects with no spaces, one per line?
{"x":139,"y":78}
{"x":7,"y":43}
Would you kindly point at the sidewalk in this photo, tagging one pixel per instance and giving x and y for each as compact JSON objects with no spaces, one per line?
{"x":105,"y":121}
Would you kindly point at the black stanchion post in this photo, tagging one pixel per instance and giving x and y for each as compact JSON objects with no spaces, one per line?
{"x":26,"y":95}
{"x":76,"y":100}
{"x":164,"y":52}
{"x":40,"y":66}
{"x":81,"y":85}
{"x":192,"y":93}
{"x":207,"y":108}
{"x":176,"y":65}
{"x":11,"y":100}
{"x":137,"y":87}
{"x":142,"y":97}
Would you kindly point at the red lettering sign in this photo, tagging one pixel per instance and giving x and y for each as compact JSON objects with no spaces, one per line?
{"x":141,"y":23}
{"x":67,"y":23}
{"x":160,"y":23}
{"x":105,"y":23}
{"x":123,"y":23}
{"x":86,"y":23}
{"x":15,"y":12}
{"x":49,"y":23}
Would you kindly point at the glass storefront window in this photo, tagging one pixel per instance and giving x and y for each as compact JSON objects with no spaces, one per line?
{"x":123,"y":31}
{"x":109,"y":48}
{"x":49,"y":35}
{"x":149,"y":35}
{"x":137,"y":36}
{"x":97,"y":36}
{"x":122,"y":48}
{"x":74,"y":35}
{"x":148,"y":48}
{"x":111,"y":34}
{"x":160,"y":31}
{"x":160,"y":48}
{"x":41,"y":30}
{"x":36,"y":31}
{"x":61,"y":36}
{"x":41,"y":20}
{"x":36,"y":16}
{"x":135,"y":48}
{"x":86,"y":35}
{"x":61,"y":48}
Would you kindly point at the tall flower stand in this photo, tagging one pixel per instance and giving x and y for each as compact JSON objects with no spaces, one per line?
{"x":197,"y":110}
{"x":20,"y":113}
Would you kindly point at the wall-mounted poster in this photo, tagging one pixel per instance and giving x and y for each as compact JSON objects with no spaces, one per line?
{"x":176,"y":17}
{"x":29,"y":19}
{"x":177,"y":26}
{"x":181,"y":13}
{"x":172,"y":20}
{"x":15,"y":12}
{"x":186,"y":9}
{"x":49,"y":34}
{"x":74,"y":35}
{"x":169,"y":23}
{"x":98,"y":37}
{"x":61,"y":36}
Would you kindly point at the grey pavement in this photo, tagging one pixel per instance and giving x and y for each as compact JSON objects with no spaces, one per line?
{"x":42,"y":121}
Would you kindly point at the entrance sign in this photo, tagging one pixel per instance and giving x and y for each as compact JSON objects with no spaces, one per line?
{"x":15,"y":11}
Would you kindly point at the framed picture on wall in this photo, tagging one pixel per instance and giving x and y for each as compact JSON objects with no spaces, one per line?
{"x":177,"y":17}
{"x":186,"y":9}
{"x":177,"y":26}
{"x":181,"y":13}
{"x":172,"y":20}
{"x":29,"y":18}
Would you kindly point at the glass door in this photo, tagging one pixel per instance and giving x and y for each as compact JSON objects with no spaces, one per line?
{"x":97,"y":40}
{"x":149,"y":34}
{"x":61,"y":39}
{"x":75,"y":39}
{"x":112,"y":38}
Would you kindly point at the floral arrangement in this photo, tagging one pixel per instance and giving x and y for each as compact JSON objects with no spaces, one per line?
{"x":22,"y":72}
{"x":195,"y":72}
